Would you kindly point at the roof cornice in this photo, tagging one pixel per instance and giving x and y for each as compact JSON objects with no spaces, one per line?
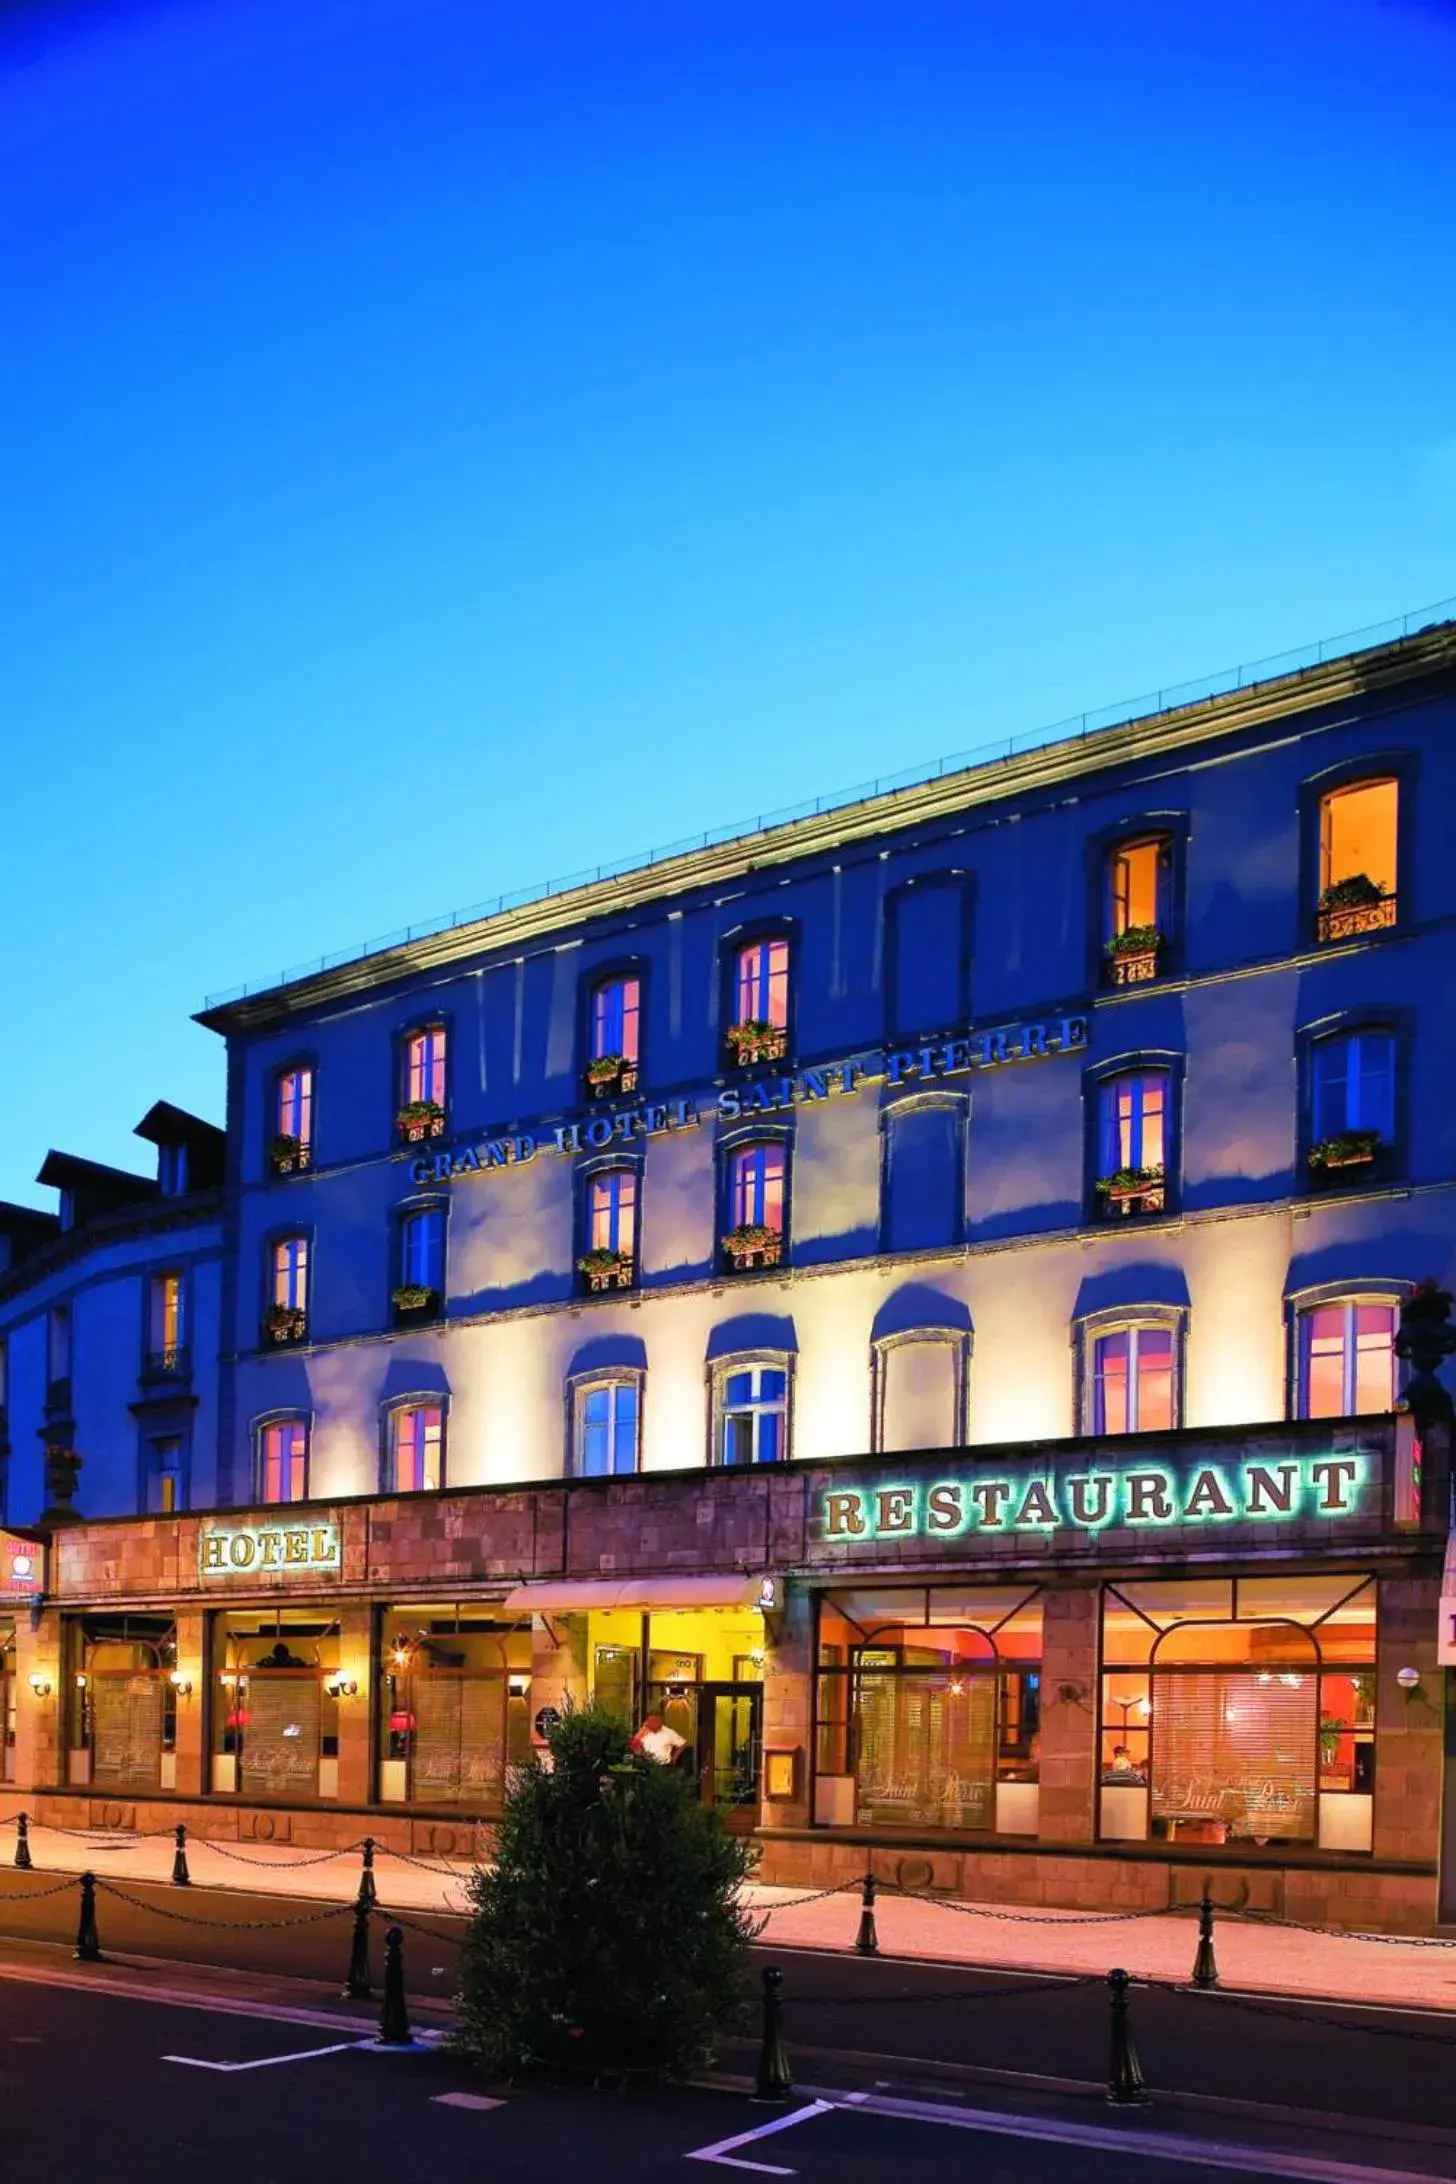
{"x":1429,"y":653}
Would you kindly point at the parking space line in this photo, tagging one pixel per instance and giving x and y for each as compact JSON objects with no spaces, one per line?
{"x":465,"y":2100}
{"x":724,"y":2156}
{"x":267,"y":2062}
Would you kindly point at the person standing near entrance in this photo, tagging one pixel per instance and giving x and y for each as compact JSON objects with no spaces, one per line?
{"x":658,"y":1742}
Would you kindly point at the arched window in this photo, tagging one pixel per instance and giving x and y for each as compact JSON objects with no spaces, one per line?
{"x":1132,"y":1144}
{"x":1359,"y":827}
{"x":610,"y":1258}
{"x":1136,"y":909}
{"x":758,"y":1031}
{"x":283,"y":1460}
{"x":1346,"y":1362}
{"x":615,"y":1036}
{"x":1132,"y":1377}
{"x":1351,"y":1104}
{"x":756,"y":1185}
{"x":751,"y":1411}
{"x":606,"y":1426}
{"x":285,"y":1317}
{"x":422,"y":1103}
{"x":416,"y":1448}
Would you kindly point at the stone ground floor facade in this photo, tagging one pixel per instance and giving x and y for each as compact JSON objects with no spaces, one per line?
{"x":1084,"y":1673}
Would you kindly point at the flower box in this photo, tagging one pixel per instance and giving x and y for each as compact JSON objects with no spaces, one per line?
{"x":755,"y":1040}
{"x":1353,"y":906}
{"x":419,"y":1119}
{"x":603,"y":1269}
{"x":1132,"y":956}
{"x":285,"y":1322}
{"x":412,"y":1299}
{"x":288,"y":1155}
{"x":607,"y":1075}
{"x":1132,"y":1190}
{"x":752,"y":1245}
{"x":1352,"y":1149}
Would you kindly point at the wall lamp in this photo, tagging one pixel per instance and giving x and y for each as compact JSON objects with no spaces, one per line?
{"x":39,"y":1684}
{"x":341,"y":1687}
{"x":181,"y":1684}
{"x":518,"y":1684}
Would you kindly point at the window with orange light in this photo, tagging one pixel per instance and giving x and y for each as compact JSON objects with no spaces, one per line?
{"x":1358,"y":854}
{"x":453,"y":1686}
{"x":417,"y":1448}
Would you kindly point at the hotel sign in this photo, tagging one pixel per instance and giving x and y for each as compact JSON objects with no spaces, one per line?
{"x":1073,"y":1496}
{"x":591,"y":1132}
{"x":285,"y":1550}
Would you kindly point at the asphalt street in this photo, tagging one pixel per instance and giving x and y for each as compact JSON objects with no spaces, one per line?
{"x":126,"y":2091}
{"x":900,"y":2021}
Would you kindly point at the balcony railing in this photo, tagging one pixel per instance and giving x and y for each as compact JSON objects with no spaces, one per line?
{"x":1133,"y":956}
{"x":172,"y":1362}
{"x":609,"y":1077}
{"x":285,"y":1323}
{"x":420,"y":1119}
{"x":752,"y":1247}
{"x":288,"y":1155}
{"x":1131,"y":1191}
{"x":756,"y":1041}
{"x":1352,"y":907}
{"x":603,"y":1269}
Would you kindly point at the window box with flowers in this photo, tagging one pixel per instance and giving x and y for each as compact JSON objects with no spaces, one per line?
{"x":1351,"y":1149}
{"x":606,"y":1269}
{"x":285,"y":1323}
{"x":756,"y":1040}
{"x":752,"y":1245}
{"x":607,"y":1075}
{"x":1353,"y":906}
{"x":1131,"y":1191}
{"x":1132,"y":955}
{"x":287,"y":1155}
{"x":412,"y":1300}
{"x":419,"y":1119}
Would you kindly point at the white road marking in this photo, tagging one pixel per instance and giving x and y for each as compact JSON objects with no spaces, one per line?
{"x":267,"y":2062}
{"x":722,"y":2153}
{"x":1197,"y":2153}
{"x":464,"y":2100}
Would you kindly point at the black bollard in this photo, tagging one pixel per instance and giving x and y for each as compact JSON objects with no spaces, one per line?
{"x":394,"y":2024}
{"x":356,"y":1980}
{"x":775,"y":2081}
{"x":1125,"y":2088}
{"x":181,"y":1878}
{"x":867,"y":1940}
{"x":88,"y":1942}
{"x":368,"y":1895}
{"x":22,"y":1842}
{"x":1205,"y":1964}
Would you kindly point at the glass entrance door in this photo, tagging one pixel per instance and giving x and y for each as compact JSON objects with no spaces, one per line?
{"x":730,"y":1750}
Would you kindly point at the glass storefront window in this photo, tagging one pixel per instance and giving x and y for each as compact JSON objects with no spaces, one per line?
{"x":454,"y":1705}
{"x":1239,"y":1710}
{"x":122,"y":1704}
{"x":275,"y":1720}
{"x":688,"y":1683}
{"x":928,"y":1708}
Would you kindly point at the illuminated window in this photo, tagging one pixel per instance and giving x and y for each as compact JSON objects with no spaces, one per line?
{"x":424,"y":1067}
{"x":293,"y":1120}
{"x":1137,"y":891}
{"x":761,"y":984}
{"x":290,"y":1274}
{"x":417,"y":1448}
{"x":283,"y":1461}
{"x":756,"y":1187}
{"x":612,"y":1211}
{"x":616,"y":1007}
{"x":422,"y":1248}
{"x":1346,"y":1359}
{"x":607,"y":1422}
{"x":1134,"y":1119}
{"x":1358,"y":848}
{"x":162,"y":1496}
{"x":752,"y":1403}
{"x":1352,"y":1085}
{"x":166,"y":1327}
{"x":1132,"y":1380}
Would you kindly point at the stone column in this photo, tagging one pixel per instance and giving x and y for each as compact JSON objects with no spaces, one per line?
{"x":39,"y":1730}
{"x":356,"y":1714}
{"x":788,"y":1701}
{"x":1408,"y":1723}
{"x":1068,"y":1802}
{"x":191,"y":1756}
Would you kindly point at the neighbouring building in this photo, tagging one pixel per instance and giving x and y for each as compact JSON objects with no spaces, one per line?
{"x":911,"y":1297}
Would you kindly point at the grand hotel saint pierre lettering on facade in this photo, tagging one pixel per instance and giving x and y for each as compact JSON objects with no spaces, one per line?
{"x":917,"y":1297}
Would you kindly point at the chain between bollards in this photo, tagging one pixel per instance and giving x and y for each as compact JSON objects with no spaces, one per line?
{"x":775,"y":2080}
{"x":867,"y":1940}
{"x":394,"y":2024}
{"x":88,"y":1942}
{"x":181,"y":1878}
{"x":357,"y":1986}
{"x":22,"y":1842}
{"x":368,"y":1896}
{"x":1205,"y":1964}
{"x":1125,"y":2087}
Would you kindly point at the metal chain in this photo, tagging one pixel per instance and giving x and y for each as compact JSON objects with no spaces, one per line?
{"x":412,"y":1926}
{"x":277,"y":1865}
{"x":239,"y":1926}
{"x":767,"y":1910}
{"x":441,"y":1872}
{"x":1338,"y":1933}
{"x":34,"y":1895}
{"x":1301,"y":2017}
{"x":961,"y":1994}
{"x":1025,"y":1918}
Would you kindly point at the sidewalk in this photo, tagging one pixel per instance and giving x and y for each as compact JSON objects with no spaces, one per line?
{"x":1262,"y":1959}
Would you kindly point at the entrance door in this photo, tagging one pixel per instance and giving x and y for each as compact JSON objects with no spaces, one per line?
{"x":1447,"y":1909}
{"x":730,"y":1751}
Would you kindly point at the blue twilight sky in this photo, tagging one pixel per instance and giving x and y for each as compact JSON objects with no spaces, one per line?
{"x":446,"y":443}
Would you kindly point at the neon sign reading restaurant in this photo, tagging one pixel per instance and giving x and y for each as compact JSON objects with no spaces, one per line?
{"x":1152,"y":1494}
